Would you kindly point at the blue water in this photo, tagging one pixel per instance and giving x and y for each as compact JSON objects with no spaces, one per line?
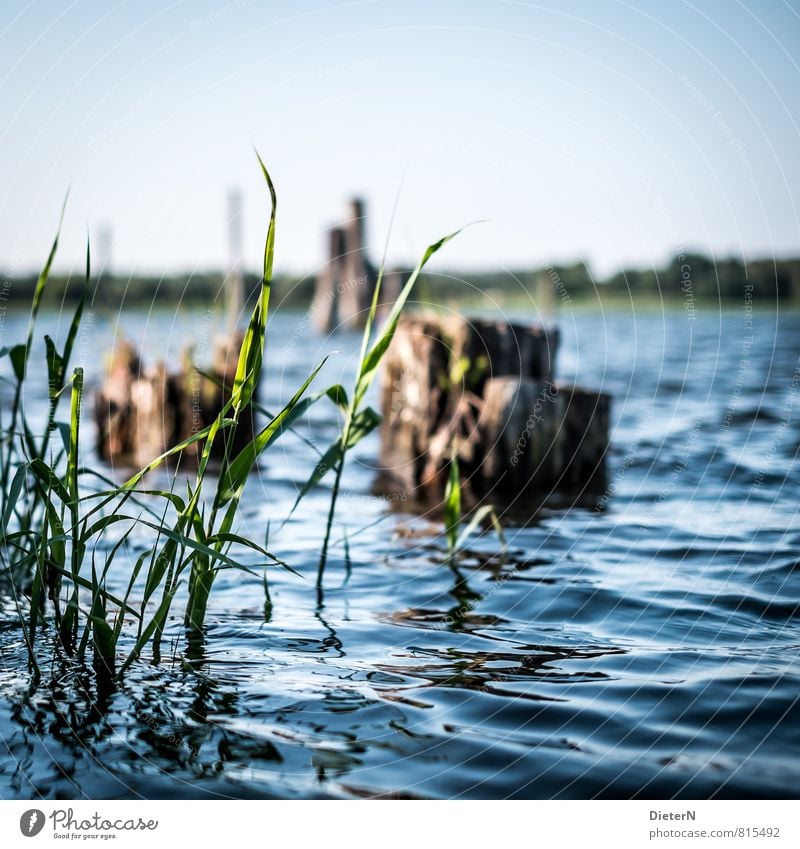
{"x":649,"y":649}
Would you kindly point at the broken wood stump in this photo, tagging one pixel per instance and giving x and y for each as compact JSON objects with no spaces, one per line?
{"x":346,"y":284}
{"x":542,"y":436}
{"x":486,"y":391}
{"x":142,"y":412}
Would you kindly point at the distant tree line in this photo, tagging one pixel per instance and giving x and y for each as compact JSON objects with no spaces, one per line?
{"x":688,"y":276}
{"x":118,"y":291}
{"x":710,"y":280}
{"x":693,"y":276}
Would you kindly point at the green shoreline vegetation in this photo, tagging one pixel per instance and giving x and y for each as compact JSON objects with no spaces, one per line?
{"x":693,"y":277}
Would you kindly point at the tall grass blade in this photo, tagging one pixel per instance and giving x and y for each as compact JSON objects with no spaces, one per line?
{"x":235,"y":475}
{"x":476,"y":520}
{"x":452,"y":505}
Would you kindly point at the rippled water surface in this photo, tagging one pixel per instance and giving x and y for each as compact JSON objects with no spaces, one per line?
{"x":647,"y":649}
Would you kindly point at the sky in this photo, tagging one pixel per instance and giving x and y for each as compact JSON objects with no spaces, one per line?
{"x":608,"y":132}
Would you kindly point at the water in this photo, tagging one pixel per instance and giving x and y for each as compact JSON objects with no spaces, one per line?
{"x":647,"y":650}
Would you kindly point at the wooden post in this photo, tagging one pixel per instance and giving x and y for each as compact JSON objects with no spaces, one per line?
{"x":586,"y":422}
{"x":486,"y":390}
{"x":140,"y":413}
{"x":520,"y":435}
{"x":345,"y":286}
{"x":324,"y":309}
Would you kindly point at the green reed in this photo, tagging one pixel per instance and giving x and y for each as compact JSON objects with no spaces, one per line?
{"x":50,"y":521}
{"x":456,"y":535}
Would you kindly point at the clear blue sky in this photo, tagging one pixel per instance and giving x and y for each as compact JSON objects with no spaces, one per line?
{"x":606,"y":131}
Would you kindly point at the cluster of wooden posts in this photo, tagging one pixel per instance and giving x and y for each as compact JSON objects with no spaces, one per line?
{"x":142,"y":411}
{"x":483,"y":390}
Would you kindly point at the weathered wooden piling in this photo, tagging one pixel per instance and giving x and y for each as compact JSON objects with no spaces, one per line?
{"x":324,"y":308}
{"x":486,"y":391}
{"x":346,"y":284}
{"x":142,"y":412}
